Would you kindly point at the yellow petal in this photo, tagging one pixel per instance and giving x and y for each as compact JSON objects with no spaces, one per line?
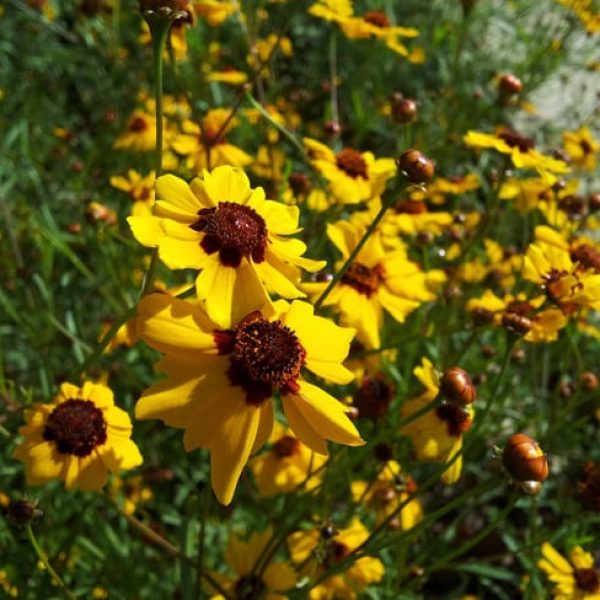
{"x":231,"y":448}
{"x":326,"y":415}
{"x":177,"y":192}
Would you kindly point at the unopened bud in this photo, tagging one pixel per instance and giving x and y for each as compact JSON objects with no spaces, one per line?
{"x":416,"y":166}
{"x":524,"y":459}
{"x":508,"y":87}
{"x":404,"y":110}
{"x":22,"y":512}
{"x":456,"y":385}
{"x":515,"y":323}
{"x":589,"y":381}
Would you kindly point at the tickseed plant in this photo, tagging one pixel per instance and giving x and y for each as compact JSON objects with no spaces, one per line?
{"x":299,"y":299}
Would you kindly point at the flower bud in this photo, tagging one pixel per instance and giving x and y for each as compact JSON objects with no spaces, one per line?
{"x":373,"y":398}
{"x":404,"y":110}
{"x":516,"y":323}
{"x":416,"y":166}
{"x":457,"y":386}
{"x":594,"y":201}
{"x":22,"y":512}
{"x":508,"y":87}
{"x":589,"y":381}
{"x":524,"y":459}
{"x":332,"y":128}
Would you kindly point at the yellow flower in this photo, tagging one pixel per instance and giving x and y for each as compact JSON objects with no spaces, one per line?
{"x":330,"y":550}
{"x":9,"y":589}
{"x":569,"y":285}
{"x":215,"y":11}
{"x":377,"y":280}
{"x":228,"y":75}
{"x":375,"y":24}
{"x":242,"y":556}
{"x":239,"y":240}
{"x":332,"y":10}
{"x":581,"y":147}
{"x":287,"y":465}
{"x":521,"y":151}
{"x":78,"y":439}
{"x":387,"y":493}
{"x":206,"y":145}
{"x":140,"y":133}
{"x":220,"y":379}
{"x":134,"y":491}
{"x":437,"y":435}
{"x":140,"y":189}
{"x":353,"y":176}
{"x":544,"y":324}
{"x":573,"y":579}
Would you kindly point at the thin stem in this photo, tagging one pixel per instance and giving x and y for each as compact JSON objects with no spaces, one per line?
{"x":171,"y":549}
{"x":370,"y":229}
{"x":43,"y":558}
{"x":159,"y":30}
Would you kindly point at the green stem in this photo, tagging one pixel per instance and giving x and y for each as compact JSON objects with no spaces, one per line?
{"x":159,"y":29}
{"x":370,"y":229}
{"x":42,"y":557}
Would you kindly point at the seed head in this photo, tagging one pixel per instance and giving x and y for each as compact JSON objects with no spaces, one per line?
{"x":416,"y":166}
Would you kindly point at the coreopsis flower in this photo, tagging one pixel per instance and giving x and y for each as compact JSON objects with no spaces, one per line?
{"x":378,"y":280}
{"x":249,"y":582}
{"x":332,"y":10}
{"x":374,"y":24}
{"x":78,"y":438}
{"x":574,"y":579}
{"x":131,"y":492}
{"x":227,"y":74}
{"x":353,"y":176}
{"x":437,"y":190}
{"x":387,"y":493}
{"x":583,"y":250}
{"x":205,"y":146}
{"x":9,"y":589}
{"x":287,"y":465}
{"x":139,"y":188}
{"x":140,"y":132}
{"x":568,"y":284}
{"x":437,"y":435}
{"x":542,"y":325}
{"x":220,"y":378}
{"x":214,"y":12}
{"x":536,"y":193}
{"x":581,"y":148}
{"x":521,"y":151}
{"x":240,"y":242}
{"x":328,"y":547}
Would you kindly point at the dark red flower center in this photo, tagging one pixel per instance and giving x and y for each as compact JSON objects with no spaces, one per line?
{"x":586,"y":147}
{"x":76,"y":427}
{"x":516,"y":140}
{"x":587,"y":257}
{"x":234,"y":231}
{"x":248,"y":587}
{"x":138,"y":124}
{"x":587,"y":580}
{"x":457,"y":419}
{"x":265,"y":356}
{"x":377,"y":18}
{"x":363,"y":279}
{"x":373,"y":397}
{"x":352,"y":163}
{"x":335,"y":552}
{"x":286,"y":446}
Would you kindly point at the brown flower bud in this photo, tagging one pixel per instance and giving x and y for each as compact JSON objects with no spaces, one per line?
{"x":456,"y":385}
{"x":524,"y":459}
{"x":574,"y":205}
{"x":96,"y":212}
{"x":594,"y":201}
{"x":332,"y":128}
{"x":404,"y":111}
{"x":509,"y":85}
{"x":299,"y":183}
{"x":416,"y":166}
{"x":516,"y":323}
{"x":589,"y":381}
{"x":482,"y":316}
{"x":22,"y":512}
